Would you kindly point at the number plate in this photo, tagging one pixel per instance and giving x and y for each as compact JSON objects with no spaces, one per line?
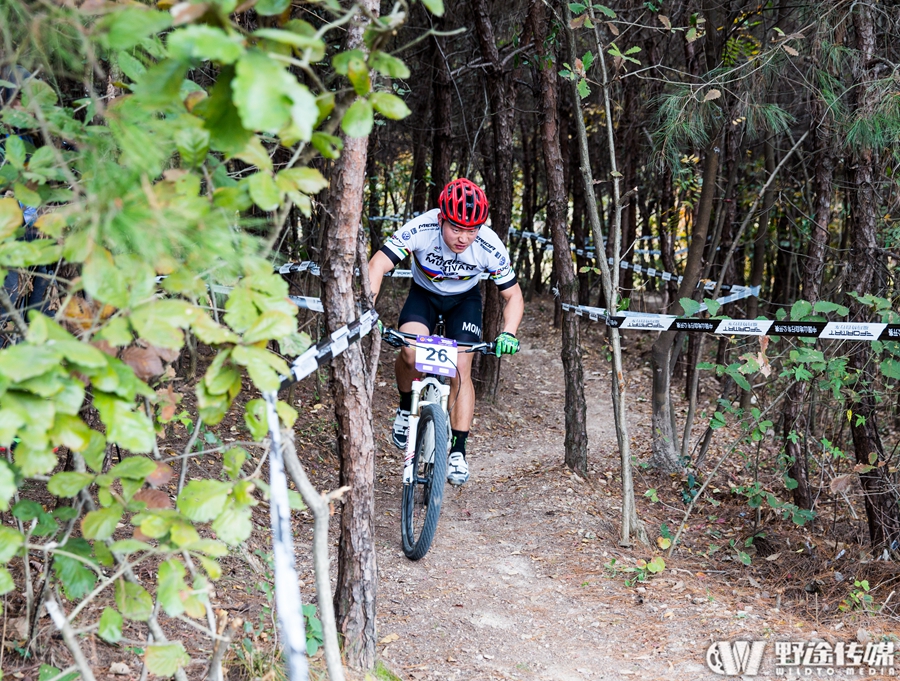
{"x":436,"y":355}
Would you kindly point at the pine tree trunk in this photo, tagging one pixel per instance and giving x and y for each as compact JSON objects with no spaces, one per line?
{"x":881,"y":498}
{"x":441,"y":122}
{"x":502,"y":95}
{"x":563,"y":271}
{"x":665,"y":455}
{"x":354,"y":597}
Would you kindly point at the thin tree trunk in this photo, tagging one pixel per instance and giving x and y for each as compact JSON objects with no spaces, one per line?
{"x":563,"y":271}
{"x":502,"y":95}
{"x":357,"y":575}
{"x":631,"y":525}
{"x":665,"y":455}
{"x":881,"y":498}
{"x":442,"y":117}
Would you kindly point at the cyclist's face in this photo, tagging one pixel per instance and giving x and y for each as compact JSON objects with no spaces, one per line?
{"x":457,"y":238}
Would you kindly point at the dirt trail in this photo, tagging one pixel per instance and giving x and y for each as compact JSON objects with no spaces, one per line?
{"x":514,"y":586}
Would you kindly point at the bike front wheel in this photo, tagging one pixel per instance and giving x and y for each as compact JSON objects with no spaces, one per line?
{"x":422,"y":498}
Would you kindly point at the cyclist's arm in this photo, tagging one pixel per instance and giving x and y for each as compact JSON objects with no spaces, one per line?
{"x":379,"y":265}
{"x":513,"y":309}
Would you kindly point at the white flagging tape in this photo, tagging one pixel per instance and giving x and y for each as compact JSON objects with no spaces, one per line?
{"x":859,"y":331}
{"x":588,"y":251}
{"x":288,"y":603}
{"x":326,"y":350}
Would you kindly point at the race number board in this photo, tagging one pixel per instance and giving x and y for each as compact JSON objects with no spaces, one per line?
{"x":436,"y":355}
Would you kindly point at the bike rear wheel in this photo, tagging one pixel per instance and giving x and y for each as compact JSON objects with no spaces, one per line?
{"x":422,"y":499}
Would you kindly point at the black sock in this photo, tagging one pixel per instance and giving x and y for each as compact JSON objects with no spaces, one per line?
{"x":458,"y":438}
{"x":405,"y":400}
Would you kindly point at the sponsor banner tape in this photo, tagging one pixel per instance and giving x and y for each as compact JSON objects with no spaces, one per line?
{"x":328,"y":348}
{"x":860,"y":331}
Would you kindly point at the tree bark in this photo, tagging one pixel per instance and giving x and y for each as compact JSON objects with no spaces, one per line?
{"x":354,"y":597}
{"x":563,"y":271}
{"x":502,"y":96}
{"x":442,"y":116}
{"x":881,"y":499}
{"x":665,"y":455}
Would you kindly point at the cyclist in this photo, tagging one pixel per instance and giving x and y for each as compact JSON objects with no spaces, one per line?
{"x":450,"y":248}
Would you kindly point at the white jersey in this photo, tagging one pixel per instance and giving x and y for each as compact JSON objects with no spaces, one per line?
{"x":437,"y":268}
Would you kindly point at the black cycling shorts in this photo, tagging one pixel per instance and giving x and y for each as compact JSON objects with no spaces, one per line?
{"x":461,"y":311}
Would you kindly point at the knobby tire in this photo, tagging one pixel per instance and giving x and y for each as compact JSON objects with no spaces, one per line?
{"x":422,"y":499}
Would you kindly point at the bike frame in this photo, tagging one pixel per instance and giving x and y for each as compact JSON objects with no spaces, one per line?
{"x":428,"y":390}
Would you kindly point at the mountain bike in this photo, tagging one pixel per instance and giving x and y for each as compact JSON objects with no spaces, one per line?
{"x":428,"y":443}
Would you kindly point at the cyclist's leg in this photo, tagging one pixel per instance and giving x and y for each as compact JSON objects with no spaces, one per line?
{"x":417,"y":316}
{"x":464,"y":325}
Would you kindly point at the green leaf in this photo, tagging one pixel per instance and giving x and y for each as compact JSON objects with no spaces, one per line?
{"x":262,"y":366}
{"x":800,"y":309}
{"x":10,"y":215}
{"x":80,"y":353}
{"x":6,"y":581}
{"x":656,"y":565}
{"x":891,"y":368}
{"x":256,"y":154}
{"x":48,"y":672}
{"x":27,"y":196}
{"x":292,"y":38}
{"x":192,"y":145}
{"x":603,"y":9}
{"x":389,"y":106}
{"x":824,"y":307}
{"x":110,"y":626}
{"x":328,"y":145}
{"x":95,"y":452}
{"x":232,"y":461}
{"x":76,"y":578}
{"x":233,"y":525}
{"x":436,"y":7}
{"x":577,"y":7}
{"x":717,"y":421}
{"x":170,"y":585}
{"x":15,"y":152}
{"x":101,"y":524}
{"x":70,"y":431}
{"x":103,"y":280}
{"x":168,"y":658}
{"x":133,"y":468}
{"x":205,"y":42}
{"x":264,"y":191}
{"x":130,"y":66}
{"x":255,"y":419}
{"x":358,"y":73}
{"x":388,"y":65}
{"x":712,"y":306}
{"x":203,"y":500}
{"x":21,"y":362}
{"x":583,"y":89}
{"x":133,"y":601}
{"x":270,"y":325}
{"x":126,"y":427}
{"x":269,"y":8}
{"x":227,"y":133}
{"x":10,"y":541}
{"x":690,"y":307}
{"x":306,"y":180}
{"x":68,"y":483}
{"x":270,"y":99}
{"x":125,"y":28}
{"x":7,"y":485}
{"x":359,"y":119}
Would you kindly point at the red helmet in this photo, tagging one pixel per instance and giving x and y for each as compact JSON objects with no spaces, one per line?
{"x":463,"y":202}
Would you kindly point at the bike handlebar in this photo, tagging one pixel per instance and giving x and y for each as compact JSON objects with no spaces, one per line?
{"x":399,"y":339}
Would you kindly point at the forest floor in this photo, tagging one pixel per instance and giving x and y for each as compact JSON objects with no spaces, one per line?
{"x":524,"y":579}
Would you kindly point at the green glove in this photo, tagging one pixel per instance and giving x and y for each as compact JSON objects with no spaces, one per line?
{"x":379,"y":326}
{"x":506,"y":344}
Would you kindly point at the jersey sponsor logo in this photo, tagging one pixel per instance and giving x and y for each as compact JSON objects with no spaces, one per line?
{"x":484,"y":244}
{"x":448,"y":267}
{"x":471,"y":327}
{"x":406,"y":235}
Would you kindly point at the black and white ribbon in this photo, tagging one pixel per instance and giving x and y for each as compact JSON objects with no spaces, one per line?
{"x":859,"y":331}
{"x":328,"y":348}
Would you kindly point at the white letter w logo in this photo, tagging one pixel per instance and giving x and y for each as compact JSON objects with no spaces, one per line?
{"x":733,"y":659}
